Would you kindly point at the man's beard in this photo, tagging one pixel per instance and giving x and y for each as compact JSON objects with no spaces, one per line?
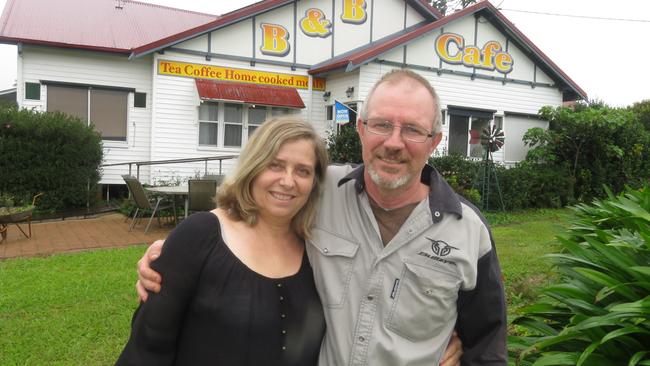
{"x":388,"y":184}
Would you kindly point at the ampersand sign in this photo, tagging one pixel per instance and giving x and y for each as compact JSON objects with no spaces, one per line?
{"x":314,"y":23}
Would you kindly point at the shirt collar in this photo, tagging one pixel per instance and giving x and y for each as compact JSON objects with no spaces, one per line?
{"x":442,"y":198}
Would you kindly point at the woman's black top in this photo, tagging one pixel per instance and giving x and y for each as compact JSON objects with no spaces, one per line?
{"x":214,"y":310}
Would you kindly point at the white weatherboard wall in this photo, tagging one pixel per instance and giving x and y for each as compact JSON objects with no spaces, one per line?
{"x":86,"y":67}
{"x":175,"y":118}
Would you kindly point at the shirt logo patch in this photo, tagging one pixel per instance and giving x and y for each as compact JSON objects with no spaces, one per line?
{"x":439,"y":249}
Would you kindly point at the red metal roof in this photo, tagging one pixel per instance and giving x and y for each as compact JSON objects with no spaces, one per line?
{"x":107,"y":25}
{"x":249,"y":93}
{"x":365,"y":54}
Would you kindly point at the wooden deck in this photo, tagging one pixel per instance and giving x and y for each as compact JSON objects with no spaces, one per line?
{"x":106,"y":231}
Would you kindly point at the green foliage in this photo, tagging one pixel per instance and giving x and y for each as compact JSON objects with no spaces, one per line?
{"x":50,"y":153}
{"x":460,"y":173}
{"x":531,"y":185}
{"x":345,"y":146}
{"x":642,"y":111}
{"x":596,"y":145}
{"x":599,"y":311}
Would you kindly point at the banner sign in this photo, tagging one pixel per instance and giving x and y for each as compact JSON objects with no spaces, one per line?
{"x":198,"y":71}
{"x":341,"y":113}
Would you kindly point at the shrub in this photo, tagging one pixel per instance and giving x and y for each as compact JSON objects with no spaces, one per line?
{"x":599,"y":312}
{"x":345,"y":146}
{"x":600,"y":146}
{"x":533,"y":185}
{"x":51,"y":153}
{"x":461,"y":174}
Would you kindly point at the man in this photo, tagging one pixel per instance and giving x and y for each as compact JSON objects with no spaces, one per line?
{"x":399,"y":259}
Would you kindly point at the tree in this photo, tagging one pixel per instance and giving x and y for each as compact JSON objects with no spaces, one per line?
{"x":451,"y":5}
{"x":642,"y":111}
{"x":598,"y":145}
{"x":345,"y":146}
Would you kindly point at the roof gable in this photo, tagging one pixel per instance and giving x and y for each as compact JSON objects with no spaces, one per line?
{"x":421,"y":6}
{"x":363,"y":55}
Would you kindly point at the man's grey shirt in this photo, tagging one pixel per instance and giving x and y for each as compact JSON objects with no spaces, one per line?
{"x":398,"y":304}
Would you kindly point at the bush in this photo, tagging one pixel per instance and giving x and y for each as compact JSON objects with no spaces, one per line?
{"x":531,"y":185}
{"x":345,"y":146}
{"x":600,"y":146}
{"x":460,"y":173}
{"x":599,"y":312}
{"x":51,"y":153}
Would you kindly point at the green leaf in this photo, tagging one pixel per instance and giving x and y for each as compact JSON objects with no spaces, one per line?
{"x":587,"y":352}
{"x":622,"y":332}
{"x":637,"y":357}
{"x":609,"y":282}
{"x":535,"y":325}
{"x":641,"y":269}
{"x":557,"y":359}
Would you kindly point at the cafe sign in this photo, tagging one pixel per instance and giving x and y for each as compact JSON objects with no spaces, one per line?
{"x":199,"y":71}
{"x":451,"y":49}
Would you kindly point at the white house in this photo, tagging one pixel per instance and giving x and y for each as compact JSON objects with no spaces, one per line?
{"x":161,"y":83}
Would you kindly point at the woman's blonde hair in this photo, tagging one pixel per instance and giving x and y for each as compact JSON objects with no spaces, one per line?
{"x":235,"y":195}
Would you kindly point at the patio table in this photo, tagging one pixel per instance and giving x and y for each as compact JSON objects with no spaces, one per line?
{"x":174,"y":191}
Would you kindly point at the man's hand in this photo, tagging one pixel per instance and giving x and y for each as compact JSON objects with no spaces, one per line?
{"x":148,"y":279}
{"x":453,"y":352}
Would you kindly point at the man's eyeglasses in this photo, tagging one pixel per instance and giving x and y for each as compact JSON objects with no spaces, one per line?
{"x":408,"y":132}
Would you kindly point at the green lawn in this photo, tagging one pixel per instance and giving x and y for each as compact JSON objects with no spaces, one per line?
{"x":75,"y":309}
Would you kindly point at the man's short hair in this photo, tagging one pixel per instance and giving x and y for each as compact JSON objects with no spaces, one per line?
{"x":397,"y":75}
{"x":235,"y":195}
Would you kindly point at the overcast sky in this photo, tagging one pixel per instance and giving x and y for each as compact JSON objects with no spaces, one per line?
{"x":607,"y":58}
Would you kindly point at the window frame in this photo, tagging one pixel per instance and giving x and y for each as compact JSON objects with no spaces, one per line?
{"x":88,"y":90}
{"x":245,"y":123}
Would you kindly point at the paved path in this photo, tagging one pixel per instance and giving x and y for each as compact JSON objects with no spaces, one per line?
{"x":106,"y":231}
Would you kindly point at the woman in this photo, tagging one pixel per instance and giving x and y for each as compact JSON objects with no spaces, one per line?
{"x":238,"y":287}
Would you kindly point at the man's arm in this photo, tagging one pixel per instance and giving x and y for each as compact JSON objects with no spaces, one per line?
{"x":482,"y":316}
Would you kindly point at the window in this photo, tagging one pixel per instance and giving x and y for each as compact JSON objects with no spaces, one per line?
{"x":330,"y":112}
{"x":256,"y":115}
{"x":103,"y":108}
{"x":233,"y":125}
{"x":475,"y":146}
{"x":465,"y":128}
{"x":237,"y":121}
{"x":140,"y":100}
{"x":208,"y":124}
{"x":33,"y":91}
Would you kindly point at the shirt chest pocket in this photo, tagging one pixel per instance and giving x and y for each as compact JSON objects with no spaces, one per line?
{"x":424,"y":301}
{"x":332,"y":258}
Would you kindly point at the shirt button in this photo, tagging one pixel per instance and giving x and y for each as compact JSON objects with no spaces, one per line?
{"x":370,"y":297}
{"x":284,"y":331}
{"x":281,"y":298}
{"x":361,"y":339}
{"x":283,"y":316}
{"x":428,"y":291}
{"x":325,"y":250}
{"x":279,"y":285}
{"x":436,"y":214}
{"x":284,"y":348}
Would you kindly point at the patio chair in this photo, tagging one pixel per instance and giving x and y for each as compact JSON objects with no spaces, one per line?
{"x":201,"y":194}
{"x":143,"y":202}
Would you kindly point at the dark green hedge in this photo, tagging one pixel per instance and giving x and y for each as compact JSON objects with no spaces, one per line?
{"x":51,"y":153}
{"x":525,"y":185}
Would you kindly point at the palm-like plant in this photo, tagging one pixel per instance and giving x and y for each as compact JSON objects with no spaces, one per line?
{"x":600,"y":312}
